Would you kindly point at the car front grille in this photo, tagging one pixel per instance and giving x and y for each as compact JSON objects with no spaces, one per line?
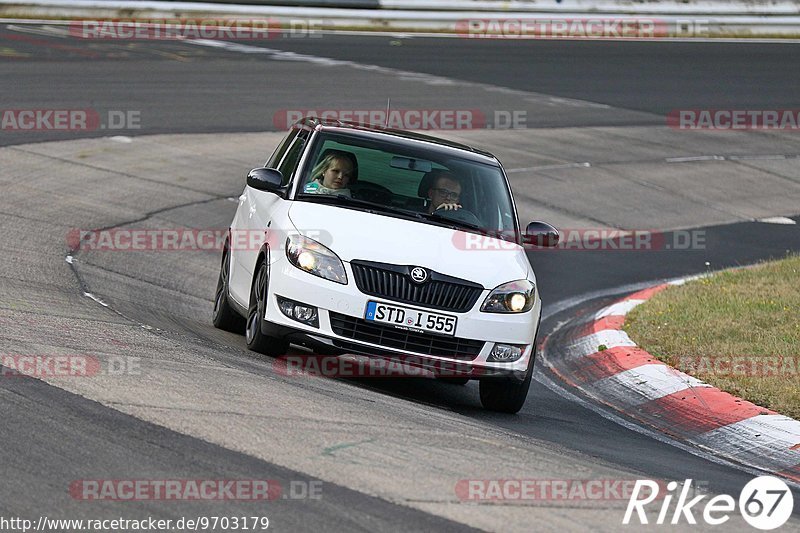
{"x":412,"y":341}
{"x":393,"y":282}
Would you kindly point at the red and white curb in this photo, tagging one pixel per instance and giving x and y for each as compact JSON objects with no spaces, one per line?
{"x":601,"y":360}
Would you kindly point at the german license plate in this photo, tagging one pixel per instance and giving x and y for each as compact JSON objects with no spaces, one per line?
{"x":406,"y":318}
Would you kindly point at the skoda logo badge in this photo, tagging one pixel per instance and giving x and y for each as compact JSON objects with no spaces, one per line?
{"x":419,"y":275}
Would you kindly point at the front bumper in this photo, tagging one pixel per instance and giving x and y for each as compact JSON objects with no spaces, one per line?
{"x":334,"y":300}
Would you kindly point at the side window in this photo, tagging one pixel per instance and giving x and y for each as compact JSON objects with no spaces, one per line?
{"x":277,"y":155}
{"x":290,"y":160}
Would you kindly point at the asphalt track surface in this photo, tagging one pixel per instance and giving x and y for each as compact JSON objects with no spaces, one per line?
{"x":55,"y":436}
{"x":181,"y":87}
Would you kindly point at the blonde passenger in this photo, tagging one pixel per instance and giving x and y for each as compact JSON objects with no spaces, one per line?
{"x":332,"y":175}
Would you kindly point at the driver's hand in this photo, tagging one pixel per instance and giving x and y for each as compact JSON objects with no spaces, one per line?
{"x":449,"y":207}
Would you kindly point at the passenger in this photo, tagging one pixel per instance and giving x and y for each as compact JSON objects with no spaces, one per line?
{"x":332,"y":175}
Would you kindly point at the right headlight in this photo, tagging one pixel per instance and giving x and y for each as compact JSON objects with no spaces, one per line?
{"x":512,"y":297}
{"x":315,"y":258}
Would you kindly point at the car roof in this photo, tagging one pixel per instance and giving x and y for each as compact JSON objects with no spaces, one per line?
{"x":409,"y":138}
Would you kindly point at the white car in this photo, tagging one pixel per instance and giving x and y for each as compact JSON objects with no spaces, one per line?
{"x":364,"y":240}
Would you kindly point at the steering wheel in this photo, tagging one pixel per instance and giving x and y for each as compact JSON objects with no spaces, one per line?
{"x":460,"y":215}
{"x":371,"y":192}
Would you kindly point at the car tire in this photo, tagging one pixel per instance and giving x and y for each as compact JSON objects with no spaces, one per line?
{"x":506,"y":395}
{"x":254,"y":336}
{"x":223,"y":316}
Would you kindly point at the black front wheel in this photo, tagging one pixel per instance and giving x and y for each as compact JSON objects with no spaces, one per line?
{"x":254,"y":336}
{"x":506,"y":395}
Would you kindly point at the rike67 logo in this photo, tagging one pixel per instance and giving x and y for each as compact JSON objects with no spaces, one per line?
{"x":765,"y":503}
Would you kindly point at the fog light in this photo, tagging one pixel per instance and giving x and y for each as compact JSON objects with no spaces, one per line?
{"x":306,"y":314}
{"x":506,"y":353}
{"x":287,"y":307}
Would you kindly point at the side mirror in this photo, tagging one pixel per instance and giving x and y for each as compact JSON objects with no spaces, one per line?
{"x":265,"y":179}
{"x":541,"y":234}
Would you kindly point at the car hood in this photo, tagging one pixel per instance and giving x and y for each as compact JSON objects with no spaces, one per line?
{"x":354,"y":234}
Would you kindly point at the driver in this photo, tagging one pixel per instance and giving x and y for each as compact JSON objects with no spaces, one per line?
{"x":445,"y":192}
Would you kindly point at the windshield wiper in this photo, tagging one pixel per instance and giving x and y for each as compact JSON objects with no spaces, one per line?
{"x":458,"y":223}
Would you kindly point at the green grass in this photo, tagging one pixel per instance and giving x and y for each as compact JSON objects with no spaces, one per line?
{"x":738,"y":330}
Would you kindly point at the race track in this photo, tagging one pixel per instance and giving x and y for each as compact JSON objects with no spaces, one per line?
{"x":595,"y":153}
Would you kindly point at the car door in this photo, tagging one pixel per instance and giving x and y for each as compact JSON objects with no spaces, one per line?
{"x":255,"y":211}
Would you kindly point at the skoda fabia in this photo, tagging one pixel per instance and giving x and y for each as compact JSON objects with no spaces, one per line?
{"x":362,"y":240}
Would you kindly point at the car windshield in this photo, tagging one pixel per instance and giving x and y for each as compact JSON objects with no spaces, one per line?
{"x":424,"y":184}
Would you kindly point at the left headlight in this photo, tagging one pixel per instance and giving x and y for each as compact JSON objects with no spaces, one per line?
{"x":313,"y":257}
{"x":512,"y":297}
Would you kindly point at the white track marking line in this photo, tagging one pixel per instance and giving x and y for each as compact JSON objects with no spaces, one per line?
{"x":620,"y":308}
{"x":777,"y":220}
{"x":46,"y":30}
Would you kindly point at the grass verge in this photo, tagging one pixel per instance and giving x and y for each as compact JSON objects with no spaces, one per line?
{"x":738,"y":330}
